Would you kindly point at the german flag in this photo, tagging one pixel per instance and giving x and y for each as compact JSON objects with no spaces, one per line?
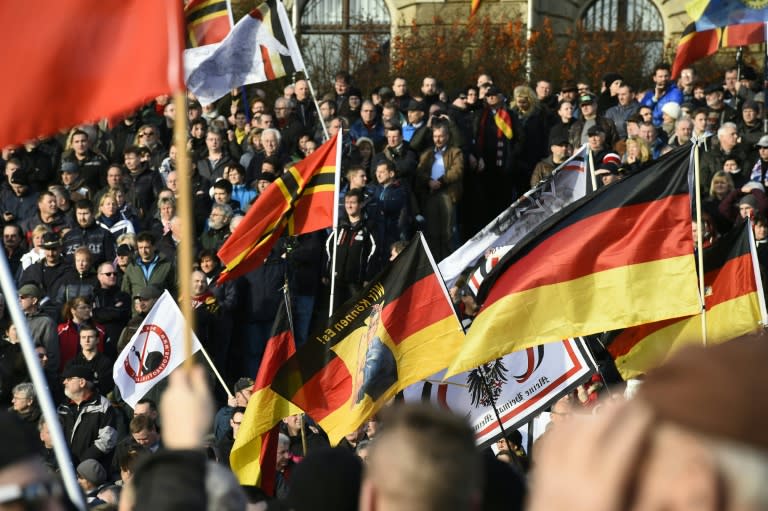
{"x":399,"y":330}
{"x":695,"y":45}
{"x":253,"y":455}
{"x":733,"y":298}
{"x":208,"y":22}
{"x":300,"y":201}
{"x":622,"y":255}
{"x":504,"y":123}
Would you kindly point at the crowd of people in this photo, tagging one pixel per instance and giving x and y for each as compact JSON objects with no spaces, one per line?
{"x":91,"y":232}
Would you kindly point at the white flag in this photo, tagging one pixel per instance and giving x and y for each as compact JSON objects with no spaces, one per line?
{"x":155,"y":350}
{"x":259,"y":48}
{"x":568,"y":184}
{"x":522,"y":384}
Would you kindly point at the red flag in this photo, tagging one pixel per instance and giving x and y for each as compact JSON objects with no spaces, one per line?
{"x":695,"y":45}
{"x":301,"y":200}
{"x":81,"y":60}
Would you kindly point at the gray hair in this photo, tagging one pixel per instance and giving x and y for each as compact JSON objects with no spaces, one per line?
{"x":272,"y":131}
{"x":222,"y":489}
{"x":726,"y":126}
{"x":225,"y":209}
{"x":25,"y":388}
{"x":283,"y":439}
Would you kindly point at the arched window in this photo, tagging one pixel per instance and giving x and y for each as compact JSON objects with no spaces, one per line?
{"x":343,"y":34}
{"x":638,"y":16}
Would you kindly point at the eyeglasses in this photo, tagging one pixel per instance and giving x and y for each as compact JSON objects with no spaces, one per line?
{"x":109,"y":273}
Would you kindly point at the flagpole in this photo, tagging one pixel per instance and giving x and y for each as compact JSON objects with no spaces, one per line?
{"x":42,"y":393}
{"x":765,"y":78}
{"x":184,"y":255}
{"x":336,"y":184}
{"x":592,"y":170}
{"x":317,"y":105}
{"x":700,"y":242}
{"x":215,"y":371}
{"x":480,"y":368}
{"x":289,"y":315}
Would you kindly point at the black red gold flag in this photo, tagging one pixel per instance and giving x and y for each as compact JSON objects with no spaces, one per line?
{"x":208,"y":22}
{"x":622,"y":255}
{"x":400,"y":329}
{"x":734,"y":307}
{"x":253,"y":454}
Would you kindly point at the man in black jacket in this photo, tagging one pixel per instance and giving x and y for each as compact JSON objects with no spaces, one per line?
{"x":88,"y":233}
{"x":111,"y":306}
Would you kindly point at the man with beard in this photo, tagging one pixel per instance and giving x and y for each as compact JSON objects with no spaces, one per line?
{"x":89,"y":420}
{"x":218,"y":227}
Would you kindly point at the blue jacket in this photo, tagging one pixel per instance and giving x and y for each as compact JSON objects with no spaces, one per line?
{"x":672,"y":94}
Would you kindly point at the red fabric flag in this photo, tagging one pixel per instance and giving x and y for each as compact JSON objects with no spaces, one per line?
{"x":81,"y":60}
{"x":207,"y":22}
{"x":301,"y":200}
{"x":695,"y":45}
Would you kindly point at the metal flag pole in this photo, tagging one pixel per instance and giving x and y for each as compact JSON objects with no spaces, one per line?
{"x":700,"y":243}
{"x":41,"y":385}
{"x":336,"y":184}
{"x":317,"y":105}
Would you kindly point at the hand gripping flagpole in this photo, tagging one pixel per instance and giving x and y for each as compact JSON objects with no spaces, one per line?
{"x":41,"y":385}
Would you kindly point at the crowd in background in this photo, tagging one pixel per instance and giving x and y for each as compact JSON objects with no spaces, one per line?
{"x":91,"y":232}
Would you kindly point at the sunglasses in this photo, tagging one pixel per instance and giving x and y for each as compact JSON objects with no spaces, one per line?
{"x":109,"y":273}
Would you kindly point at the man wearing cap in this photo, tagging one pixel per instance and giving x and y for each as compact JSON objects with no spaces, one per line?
{"x":607,"y":173}
{"x":496,"y":154}
{"x":560,"y":150}
{"x":243,"y":389}
{"x":626,"y":107}
{"x":91,"y":476}
{"x":73,"y":182}
{"x":714,"y":95}
{"x":663,"y":92}
{"x":760,"y":167}
{"x":18,"y":201}
{"x":579,"y":133}
{"x":415,"y":130}
{"x":50,"y":273}
{"x":42,"y":327}
{"x":750,"y":125}
{"x":88,"y":418}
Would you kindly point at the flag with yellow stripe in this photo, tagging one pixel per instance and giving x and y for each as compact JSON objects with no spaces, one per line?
{"x":208,"y":22}
{"x":399,"y":330}
{"x":299,"y":201}
{"x":504,"y":122}
{"x":735,"y":306}
{"x":619,"y":257}
{"x":709,"y":14}
{"x":253,"y":455}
